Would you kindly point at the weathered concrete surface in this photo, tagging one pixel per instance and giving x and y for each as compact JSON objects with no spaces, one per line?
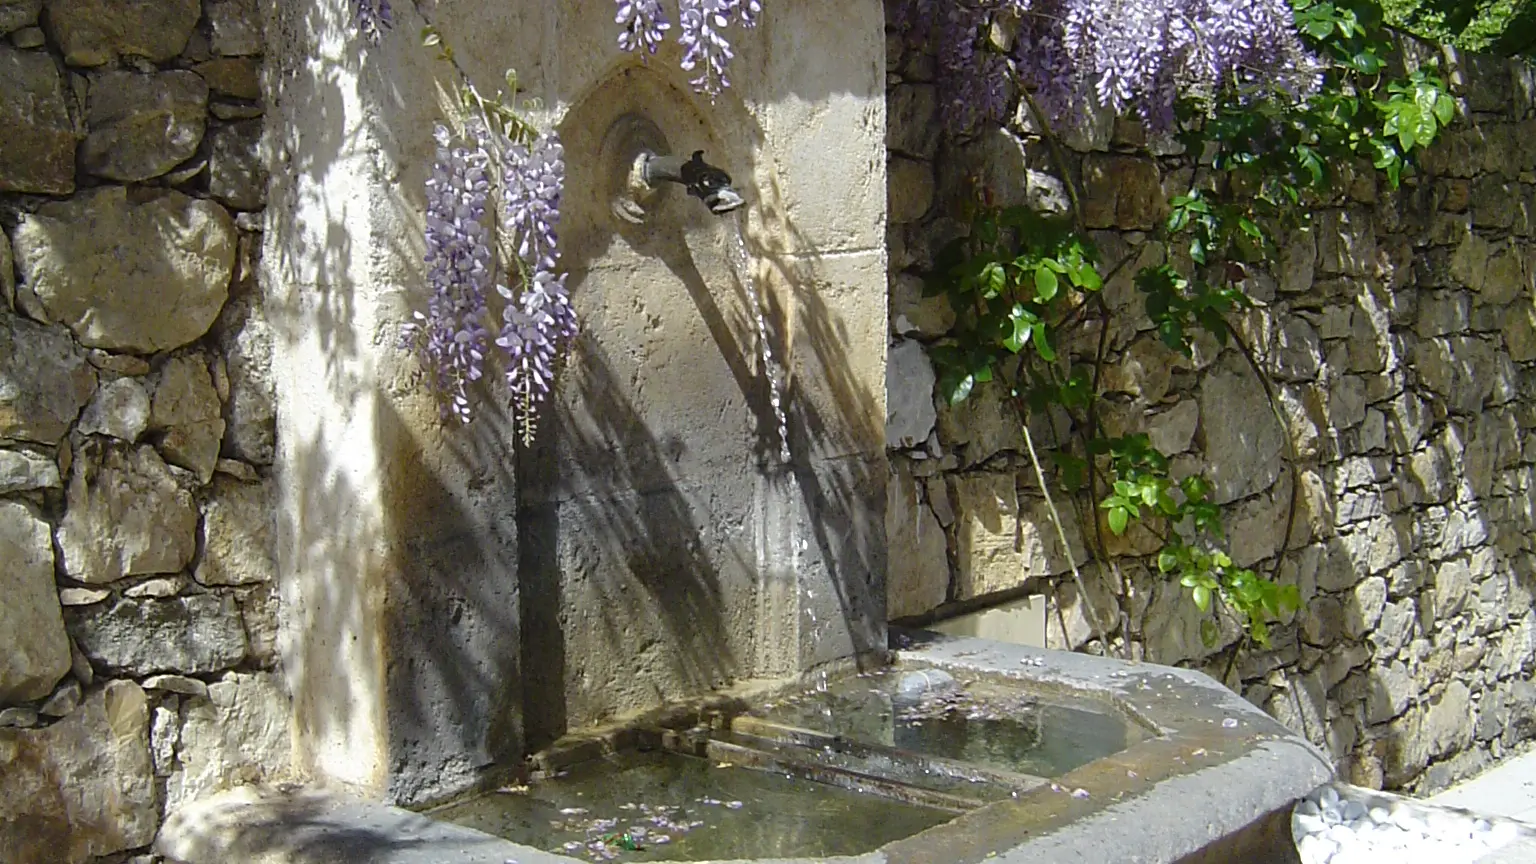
{"x":660,"y":549}
{"x":264,"y":826}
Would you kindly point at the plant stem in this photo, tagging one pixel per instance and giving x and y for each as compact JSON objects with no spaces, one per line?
{"x":1066,"y":548}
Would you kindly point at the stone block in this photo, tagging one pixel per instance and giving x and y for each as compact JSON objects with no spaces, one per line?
{"x":1172,"y":431}
{"x":815,"y":140}
{"x":236,"y":77}
{"x":917,"y":580}
{"x":127,"y":516}
{"x":189,"y":635}
{"x":141,"y":126}
{"x":913,"y":314}
{"x":910,"y":189}
{"x":82,"y":787}
{"x":139,"y":273}
{"x":186,"y":408}
{"x":16,"y":14}
{"x":1394,"y":627}
{"x":36,"y":651}
{"x":95,"y":32}
{"x":7,"y":275}
{"x":44,"y":381}
{"x":1364,"y":608}
{"x":38,"y":152}
{"x":25,"y":471}
{"x":1122,"y":192}
{"x":120,"y":410}
{"x":236,"y":174}
{"x":1003,"y":541}
{"x":1346,"y":242}
{"x":245,"y":341}
{"x":236,"y":25}
{"x":838,"y":354}
{"x":910,"y":415}
{"x":237,"y":535}
{"x":912,"y":125}
{"x":1391,"y":690}
{"x":1241,"y":439}
{"x":235,"y":736}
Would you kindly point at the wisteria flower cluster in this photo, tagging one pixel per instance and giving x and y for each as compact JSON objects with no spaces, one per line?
{"x":538,"y":319}
{"x":373,"y":17}
{"x":451,"y":335}
{"x":701,"y":26}
{"x":1124,"y":55}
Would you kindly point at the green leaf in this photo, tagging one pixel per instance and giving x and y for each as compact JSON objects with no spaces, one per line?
{"x":1043,"y":343}
{"x":1119,"y":518}
{"x":1087,"y":277}
{"x":1046,"y":283}
{"x":993,"y":279}
{"x":1203,"y":598}
{"x":1445,"y":109}
{"x":1022,"y":327}
{"x":1167,"y":562}
{"x":1366,"y":62}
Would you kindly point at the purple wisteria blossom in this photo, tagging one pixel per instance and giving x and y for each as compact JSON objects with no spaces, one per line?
{"x":973,"y":77}
{"x":533,"y":180}
{"x":537,"y":320}
{"x":1133,"y":56}
{"x":645,"y":25}
{"x":373,"y":17}
{"x":451,"y":335}
{"x":705,"y":48}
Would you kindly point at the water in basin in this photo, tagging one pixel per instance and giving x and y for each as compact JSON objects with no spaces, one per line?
{"x":979,"y":721}
{"x":665,"y":806}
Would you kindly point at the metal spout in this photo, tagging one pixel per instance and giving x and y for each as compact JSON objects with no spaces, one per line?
{"x":702,"y":180}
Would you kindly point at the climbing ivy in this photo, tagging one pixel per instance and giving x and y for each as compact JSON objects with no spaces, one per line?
{"x":1023,"y":282}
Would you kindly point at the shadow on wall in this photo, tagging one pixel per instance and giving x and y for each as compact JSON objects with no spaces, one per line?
{"x":652,"y":505}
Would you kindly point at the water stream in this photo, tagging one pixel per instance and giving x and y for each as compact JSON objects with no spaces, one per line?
{"x":741,"y":262}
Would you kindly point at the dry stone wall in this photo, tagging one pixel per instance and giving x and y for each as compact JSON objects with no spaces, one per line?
{"x":1400,"y":333}
{"x":136,"y":423}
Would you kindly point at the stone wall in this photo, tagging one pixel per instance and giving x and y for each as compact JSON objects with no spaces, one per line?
{"x":1400,"y":333}
{"x":136,"y":422}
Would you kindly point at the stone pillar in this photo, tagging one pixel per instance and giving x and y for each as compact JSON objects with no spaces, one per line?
{"x":397,"y":532}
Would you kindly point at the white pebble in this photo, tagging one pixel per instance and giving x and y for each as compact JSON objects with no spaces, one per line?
{"x":1314,"y":848}
{"x":1306,"y":824}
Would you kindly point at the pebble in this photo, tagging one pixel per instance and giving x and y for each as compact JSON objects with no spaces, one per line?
{"x":1330,"y":828}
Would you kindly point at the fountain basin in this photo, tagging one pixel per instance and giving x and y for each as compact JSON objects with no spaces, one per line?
{"x":1179,"y":769}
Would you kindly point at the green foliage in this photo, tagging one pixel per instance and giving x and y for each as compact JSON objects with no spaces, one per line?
{"x":1502,"y":26}
{"x":1021,"y":283}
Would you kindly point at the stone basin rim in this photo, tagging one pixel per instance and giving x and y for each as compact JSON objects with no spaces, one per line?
{"x":1203,"y":783}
